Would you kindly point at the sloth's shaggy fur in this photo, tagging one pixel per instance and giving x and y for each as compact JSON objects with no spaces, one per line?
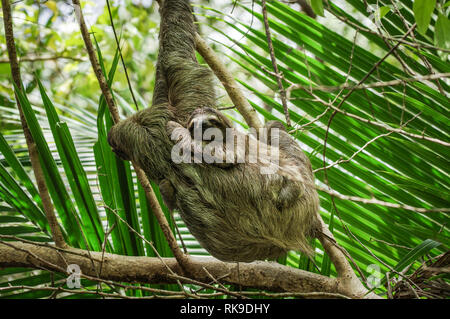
{"x":234,"y":211}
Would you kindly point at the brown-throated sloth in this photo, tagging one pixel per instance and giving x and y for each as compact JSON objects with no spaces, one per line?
{"x":236,"y":212}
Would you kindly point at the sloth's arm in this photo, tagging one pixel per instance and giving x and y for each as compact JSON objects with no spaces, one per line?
{"x":184,"y":140}
{"x":168,"y":194}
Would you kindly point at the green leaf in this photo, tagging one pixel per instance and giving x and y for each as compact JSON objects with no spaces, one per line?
{"x":18,"y":169}
{"x":442,"y":34}
{"x":151,"y":228}
{"x":13,"y":194}
{"x":317,"y":6}
{"x":5,"y":70}
{"x":326,"y":263}
{"x":420,"y":250}
{"x":423,"y":9}
{"x":119,"y":180}
{"x":53,"y":179}
{"x":426,"y":232}
{"x":75,"y":173}
{"x":383,"y":11}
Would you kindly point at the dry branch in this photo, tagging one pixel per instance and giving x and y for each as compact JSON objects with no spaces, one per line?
{"x":345,"y":86}
{"x":375,"y":201}
{"x":274,"y":63}
{"x":32,"y":149}
{"x":261,"y":275}
{"x":44,"y":58}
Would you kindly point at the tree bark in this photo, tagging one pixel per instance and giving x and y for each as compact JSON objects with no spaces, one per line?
{"x":31,"y":145}
{"x":261,"y":275}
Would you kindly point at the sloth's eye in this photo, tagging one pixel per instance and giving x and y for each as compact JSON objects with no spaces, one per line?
{"x":213,"y":123}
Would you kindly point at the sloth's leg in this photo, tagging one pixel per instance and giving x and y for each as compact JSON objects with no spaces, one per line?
{"x":168,"y":194}
{"x":188,"y":84}
{"x":288,"y":194}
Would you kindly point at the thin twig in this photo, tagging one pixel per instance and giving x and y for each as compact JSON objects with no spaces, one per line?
{"x":144,"y":239}
{"x":383,"y":203}
{"x":338,"y":107}
{"x":44,"y":58}
{"x":345,"y":86}
{"x":380,"y":124}
{"x":368,"y":74}
{"x":419,"y":54}
{"x":214,"y":279}
{"x":311,"y":295}
{"x":391,"y":129}
{"x":106,"y":91}
{"x":274,"y":63}
{"x":389,"y":244}
{"x":318,"y":117}
{"x":380,"y":261}
{"x":208,"y":286}
{"x":178,"y":232}
{"x":395,"y":39}
{"x":121,"y":56}
{"x":338,"y":162}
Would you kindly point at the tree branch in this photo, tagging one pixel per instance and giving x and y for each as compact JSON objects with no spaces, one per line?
{"x":261,"y":275}
{"x":304,"y":5}
{"x":32,"y":149}
{"x":274,"y":63}
{"x":44,"y":58}
{"x":346,"y":86}
{"x":375,"y":201}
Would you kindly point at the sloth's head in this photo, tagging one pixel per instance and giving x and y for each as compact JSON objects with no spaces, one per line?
{"x":139,"y":136}
{"x":116,"y":145}
{"x":205,"y":118}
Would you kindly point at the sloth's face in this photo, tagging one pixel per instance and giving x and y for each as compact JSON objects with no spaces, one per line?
{"x":202,"y":123}
{"x":206,"y":118}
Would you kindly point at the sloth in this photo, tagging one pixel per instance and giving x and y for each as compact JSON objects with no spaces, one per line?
{"x":235,"y":208}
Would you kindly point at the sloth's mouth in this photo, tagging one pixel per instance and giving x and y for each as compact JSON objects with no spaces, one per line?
{"x":119,"y":153}
{"x":123,"y":156}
